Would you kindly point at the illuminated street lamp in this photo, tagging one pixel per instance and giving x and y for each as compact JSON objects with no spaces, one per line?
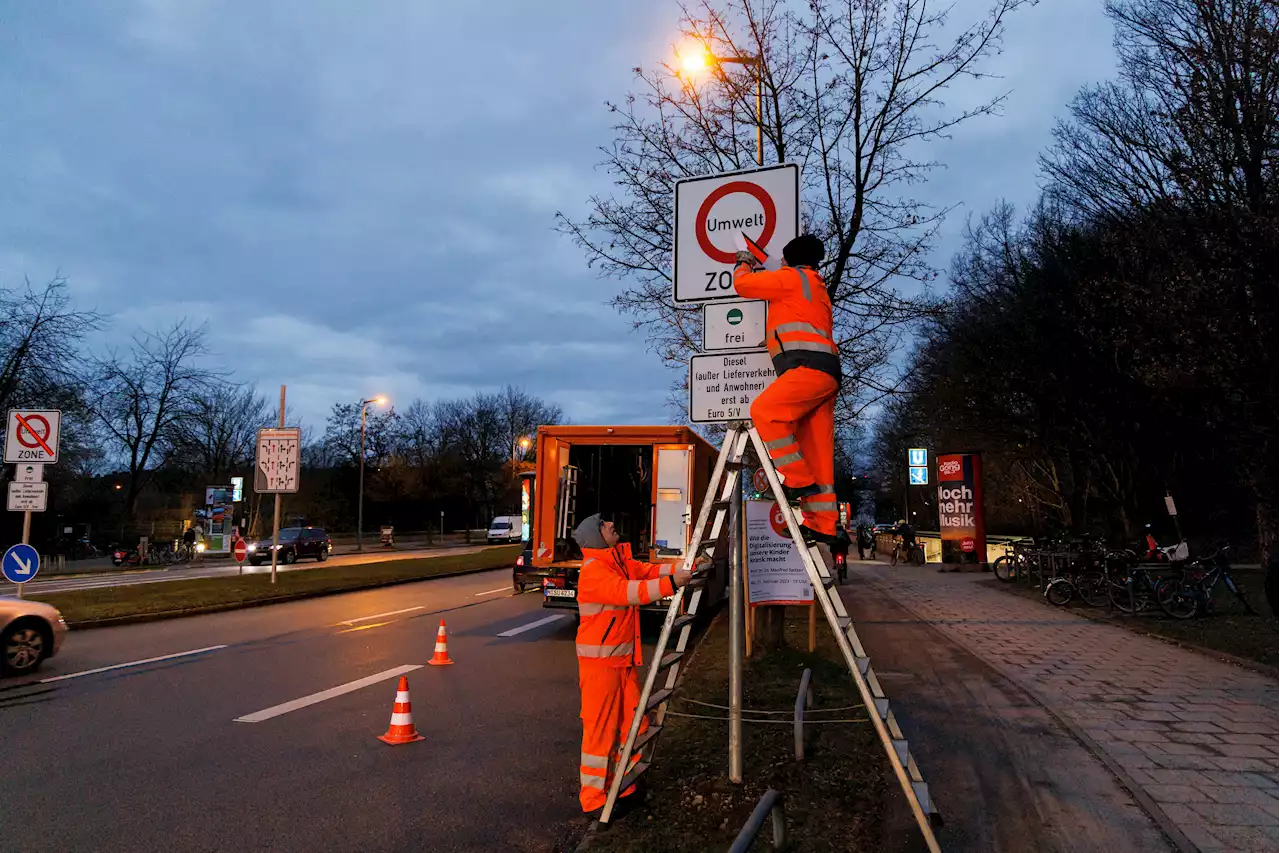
{"x":524,"y":444}
{"x":696,"y":58}
{"x":364,"y":407}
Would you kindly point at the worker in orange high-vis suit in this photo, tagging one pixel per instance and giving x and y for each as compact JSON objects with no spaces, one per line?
{"x":610,"y":586}
{"x":795,"y":415}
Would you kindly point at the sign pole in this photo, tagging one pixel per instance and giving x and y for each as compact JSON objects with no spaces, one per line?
{"x":735,"y":634}
{"x":275,"y":528}
{"x":26,"y":536}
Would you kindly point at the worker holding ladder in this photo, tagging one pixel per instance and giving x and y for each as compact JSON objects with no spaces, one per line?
{"x":795,"y":415}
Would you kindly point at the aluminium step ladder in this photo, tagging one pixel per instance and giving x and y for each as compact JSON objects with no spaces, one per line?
{"x":715,"y":511}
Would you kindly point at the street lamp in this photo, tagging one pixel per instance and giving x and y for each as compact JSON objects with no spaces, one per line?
{"x":364,"y":408}
{"x":696,"y":59}
{"x":524,"y":444}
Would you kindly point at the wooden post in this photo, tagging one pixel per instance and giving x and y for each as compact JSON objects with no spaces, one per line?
{"x":813,"y":626}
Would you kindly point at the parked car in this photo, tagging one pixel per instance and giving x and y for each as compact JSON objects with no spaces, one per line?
{"x":505,"y":528}
{"x":295,"y":543}
{"x":30,"y":633}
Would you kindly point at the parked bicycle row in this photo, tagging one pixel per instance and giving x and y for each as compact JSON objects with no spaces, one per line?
{"x":1126,"y":579}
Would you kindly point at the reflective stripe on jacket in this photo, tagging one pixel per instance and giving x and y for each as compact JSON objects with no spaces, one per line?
{"x":610,"y":585}
{"x":799,"y":321}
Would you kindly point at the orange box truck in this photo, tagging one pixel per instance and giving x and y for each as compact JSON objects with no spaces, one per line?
{"x":650,"y":480}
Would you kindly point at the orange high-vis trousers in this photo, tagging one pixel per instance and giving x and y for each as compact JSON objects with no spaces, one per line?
{"x":795,"y":417}
{"x":609,"y":698}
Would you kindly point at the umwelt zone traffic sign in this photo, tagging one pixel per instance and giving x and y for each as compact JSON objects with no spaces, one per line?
{"x":32,"y":436}
{"x":713,"y":215}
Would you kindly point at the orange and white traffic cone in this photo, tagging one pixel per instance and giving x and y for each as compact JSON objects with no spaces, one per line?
{"x":441,"y":657}
{"x":401,"y":729}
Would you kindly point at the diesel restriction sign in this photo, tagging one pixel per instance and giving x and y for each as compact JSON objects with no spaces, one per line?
{"x":722,"y":387}
{"x":32,"y":436}
{"x":715,"y":216}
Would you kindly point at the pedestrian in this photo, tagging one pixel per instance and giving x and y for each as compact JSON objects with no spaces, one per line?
{"x":863,"y":535}
{"x":610,"y":587}
{"x":189,"y":542}
{"x":795,"y":415}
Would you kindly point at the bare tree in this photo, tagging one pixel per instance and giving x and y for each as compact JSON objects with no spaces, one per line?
{"x":852,"y":92}
{"x":219,"y":435}
{"x":522,"y":414}
{"x":39,"y":338}
{"x":342,"y":434}
{"x":140,"y":396}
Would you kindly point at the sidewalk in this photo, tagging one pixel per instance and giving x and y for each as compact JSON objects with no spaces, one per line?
{"x":1195,"y":740}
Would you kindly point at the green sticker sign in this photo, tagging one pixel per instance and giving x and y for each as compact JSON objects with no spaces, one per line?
{"x":734,"y":316}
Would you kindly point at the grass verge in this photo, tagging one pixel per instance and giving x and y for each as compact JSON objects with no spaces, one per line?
{"x":138,"y":602}
{"x":833,"y":800}
{"x":1230,"y":630}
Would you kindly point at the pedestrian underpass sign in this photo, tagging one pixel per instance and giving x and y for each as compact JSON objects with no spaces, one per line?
{"x":722,"y":387}
{"x":737,"y":325}
{"x":716,"y":214}
{"x":918,"y":476}
{"x":20,"y":564}
{"x":32,"y":436}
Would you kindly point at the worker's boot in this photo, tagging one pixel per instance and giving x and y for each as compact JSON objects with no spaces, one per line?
{"x":798,"y":493}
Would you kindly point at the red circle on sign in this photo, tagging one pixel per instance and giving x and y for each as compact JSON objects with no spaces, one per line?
{"x":968,"y":546}
{"x":778,"y":521}
{"x":240,"y":550}
{"x":755,"y":190}
{"x":28,"y":424}
{"x":760,"y":480}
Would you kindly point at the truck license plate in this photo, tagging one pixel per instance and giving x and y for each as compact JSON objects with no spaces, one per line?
{"x":552,"y":592}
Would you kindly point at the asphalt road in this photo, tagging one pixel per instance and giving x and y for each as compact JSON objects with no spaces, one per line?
{"x":151,"y":756}
{"x":1005,"y":775}
{"x":221,"y":568}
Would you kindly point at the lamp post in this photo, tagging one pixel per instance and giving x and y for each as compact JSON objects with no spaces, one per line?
{"x":699,"y":58}
{"x":523,"y":443}
{"x":364,"y":408}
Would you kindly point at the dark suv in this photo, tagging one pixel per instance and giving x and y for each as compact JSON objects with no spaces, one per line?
{"x":295,"y":542}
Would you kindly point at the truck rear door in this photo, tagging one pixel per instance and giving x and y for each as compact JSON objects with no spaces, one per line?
{"x":672,"y":496}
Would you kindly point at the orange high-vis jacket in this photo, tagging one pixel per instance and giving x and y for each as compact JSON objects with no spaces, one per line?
{"x":799,"y":325}
{"x":610,"y":585}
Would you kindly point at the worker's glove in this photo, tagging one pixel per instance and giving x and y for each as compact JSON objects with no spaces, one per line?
{"x":745,"y":257}
{"x":702,"y":564}
{"x":681,"y":577}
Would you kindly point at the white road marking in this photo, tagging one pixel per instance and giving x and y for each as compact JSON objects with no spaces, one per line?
{"x":546,"y":620}
{"x":132,"y":663}
{"x":380,"y":615}
{"x":492,"y":591}
{"x":332,"y":692}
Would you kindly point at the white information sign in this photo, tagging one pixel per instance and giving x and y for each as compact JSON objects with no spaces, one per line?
{"x":279,"y":452}
{"x":29,"y":473}
{"x":737,"y":325}
{"x":28,"y":497}
{"x":714,"y":214}
{"x":32,"y":436}
{"x":775,"y":570}
{"x":722,"y":387}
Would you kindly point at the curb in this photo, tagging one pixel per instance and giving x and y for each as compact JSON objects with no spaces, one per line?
{"x":132,"y":619}
{"x":1145,"y":802}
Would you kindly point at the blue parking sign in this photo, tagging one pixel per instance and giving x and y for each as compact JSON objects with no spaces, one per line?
{"x":919,"y":476}
{"x":20,"y":564}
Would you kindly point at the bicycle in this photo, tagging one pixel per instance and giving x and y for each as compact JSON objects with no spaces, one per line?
{"x":911,"y":554}
{"x":1015,"y":561}
{"x":1191,"y":594}
{"x":1090,"y":585}
{"x":1132,"y":588}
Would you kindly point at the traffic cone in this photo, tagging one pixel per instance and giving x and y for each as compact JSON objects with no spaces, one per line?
{"x":401,"y":729}
{"x":441,"y":657}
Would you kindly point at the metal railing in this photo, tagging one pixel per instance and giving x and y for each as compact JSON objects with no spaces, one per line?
{"x":770,"y":805}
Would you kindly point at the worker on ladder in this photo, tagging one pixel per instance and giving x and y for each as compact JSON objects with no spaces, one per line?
{"x":611,"y":585}
{"x":795,"y":415}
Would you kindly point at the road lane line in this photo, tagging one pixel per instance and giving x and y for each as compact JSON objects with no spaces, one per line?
{"x":332,"y":692}
{"x":492,"y":591}
{"x":546,"y":620}
{"x":380,"y":615}
{"x":131,"y":663}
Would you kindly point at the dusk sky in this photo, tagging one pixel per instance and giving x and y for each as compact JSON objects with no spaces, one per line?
{"x":359,"y":198}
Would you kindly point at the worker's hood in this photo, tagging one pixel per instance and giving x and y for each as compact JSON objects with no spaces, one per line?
{"x":587,"y":534}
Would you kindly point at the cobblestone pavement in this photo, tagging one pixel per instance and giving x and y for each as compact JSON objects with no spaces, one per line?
{"x":1196,"y":737}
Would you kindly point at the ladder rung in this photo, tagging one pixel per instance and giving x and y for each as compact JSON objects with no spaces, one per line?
{"x":669,"y":659}
{"x":864,"y":664}
{"x":844,"y":622}
{"x":682,"y":620}
{"x":636,"y":773}
{"x":665,"y":693}
{"x":643,"y":740}
{"x":735,"y":466}
{"x":904,"y":754}
{"x":721,"y":504}
{"x":882,"y":706}
{"x":921,"y":790}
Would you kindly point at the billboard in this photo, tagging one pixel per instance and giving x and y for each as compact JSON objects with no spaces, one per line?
{"x":960,"y":506}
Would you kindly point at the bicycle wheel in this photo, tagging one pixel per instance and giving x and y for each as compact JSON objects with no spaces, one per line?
{"x":1126,"y":603}
{"x":1059,"y":591}
{"x":1004,"y":569}
{"x":1177,"y":598}
{"x":893,"y":556}
{"x":1092,"y":588}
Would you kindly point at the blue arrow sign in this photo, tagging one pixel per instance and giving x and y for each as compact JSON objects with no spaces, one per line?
{"x":20,"y":564}
{"x":919,"y":476}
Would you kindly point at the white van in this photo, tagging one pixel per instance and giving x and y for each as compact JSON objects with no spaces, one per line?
{"x":505,"y":528}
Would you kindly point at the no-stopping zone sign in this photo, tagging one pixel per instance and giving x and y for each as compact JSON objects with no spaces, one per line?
{"x":32,"y":436}
{"x":714,"y":214}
